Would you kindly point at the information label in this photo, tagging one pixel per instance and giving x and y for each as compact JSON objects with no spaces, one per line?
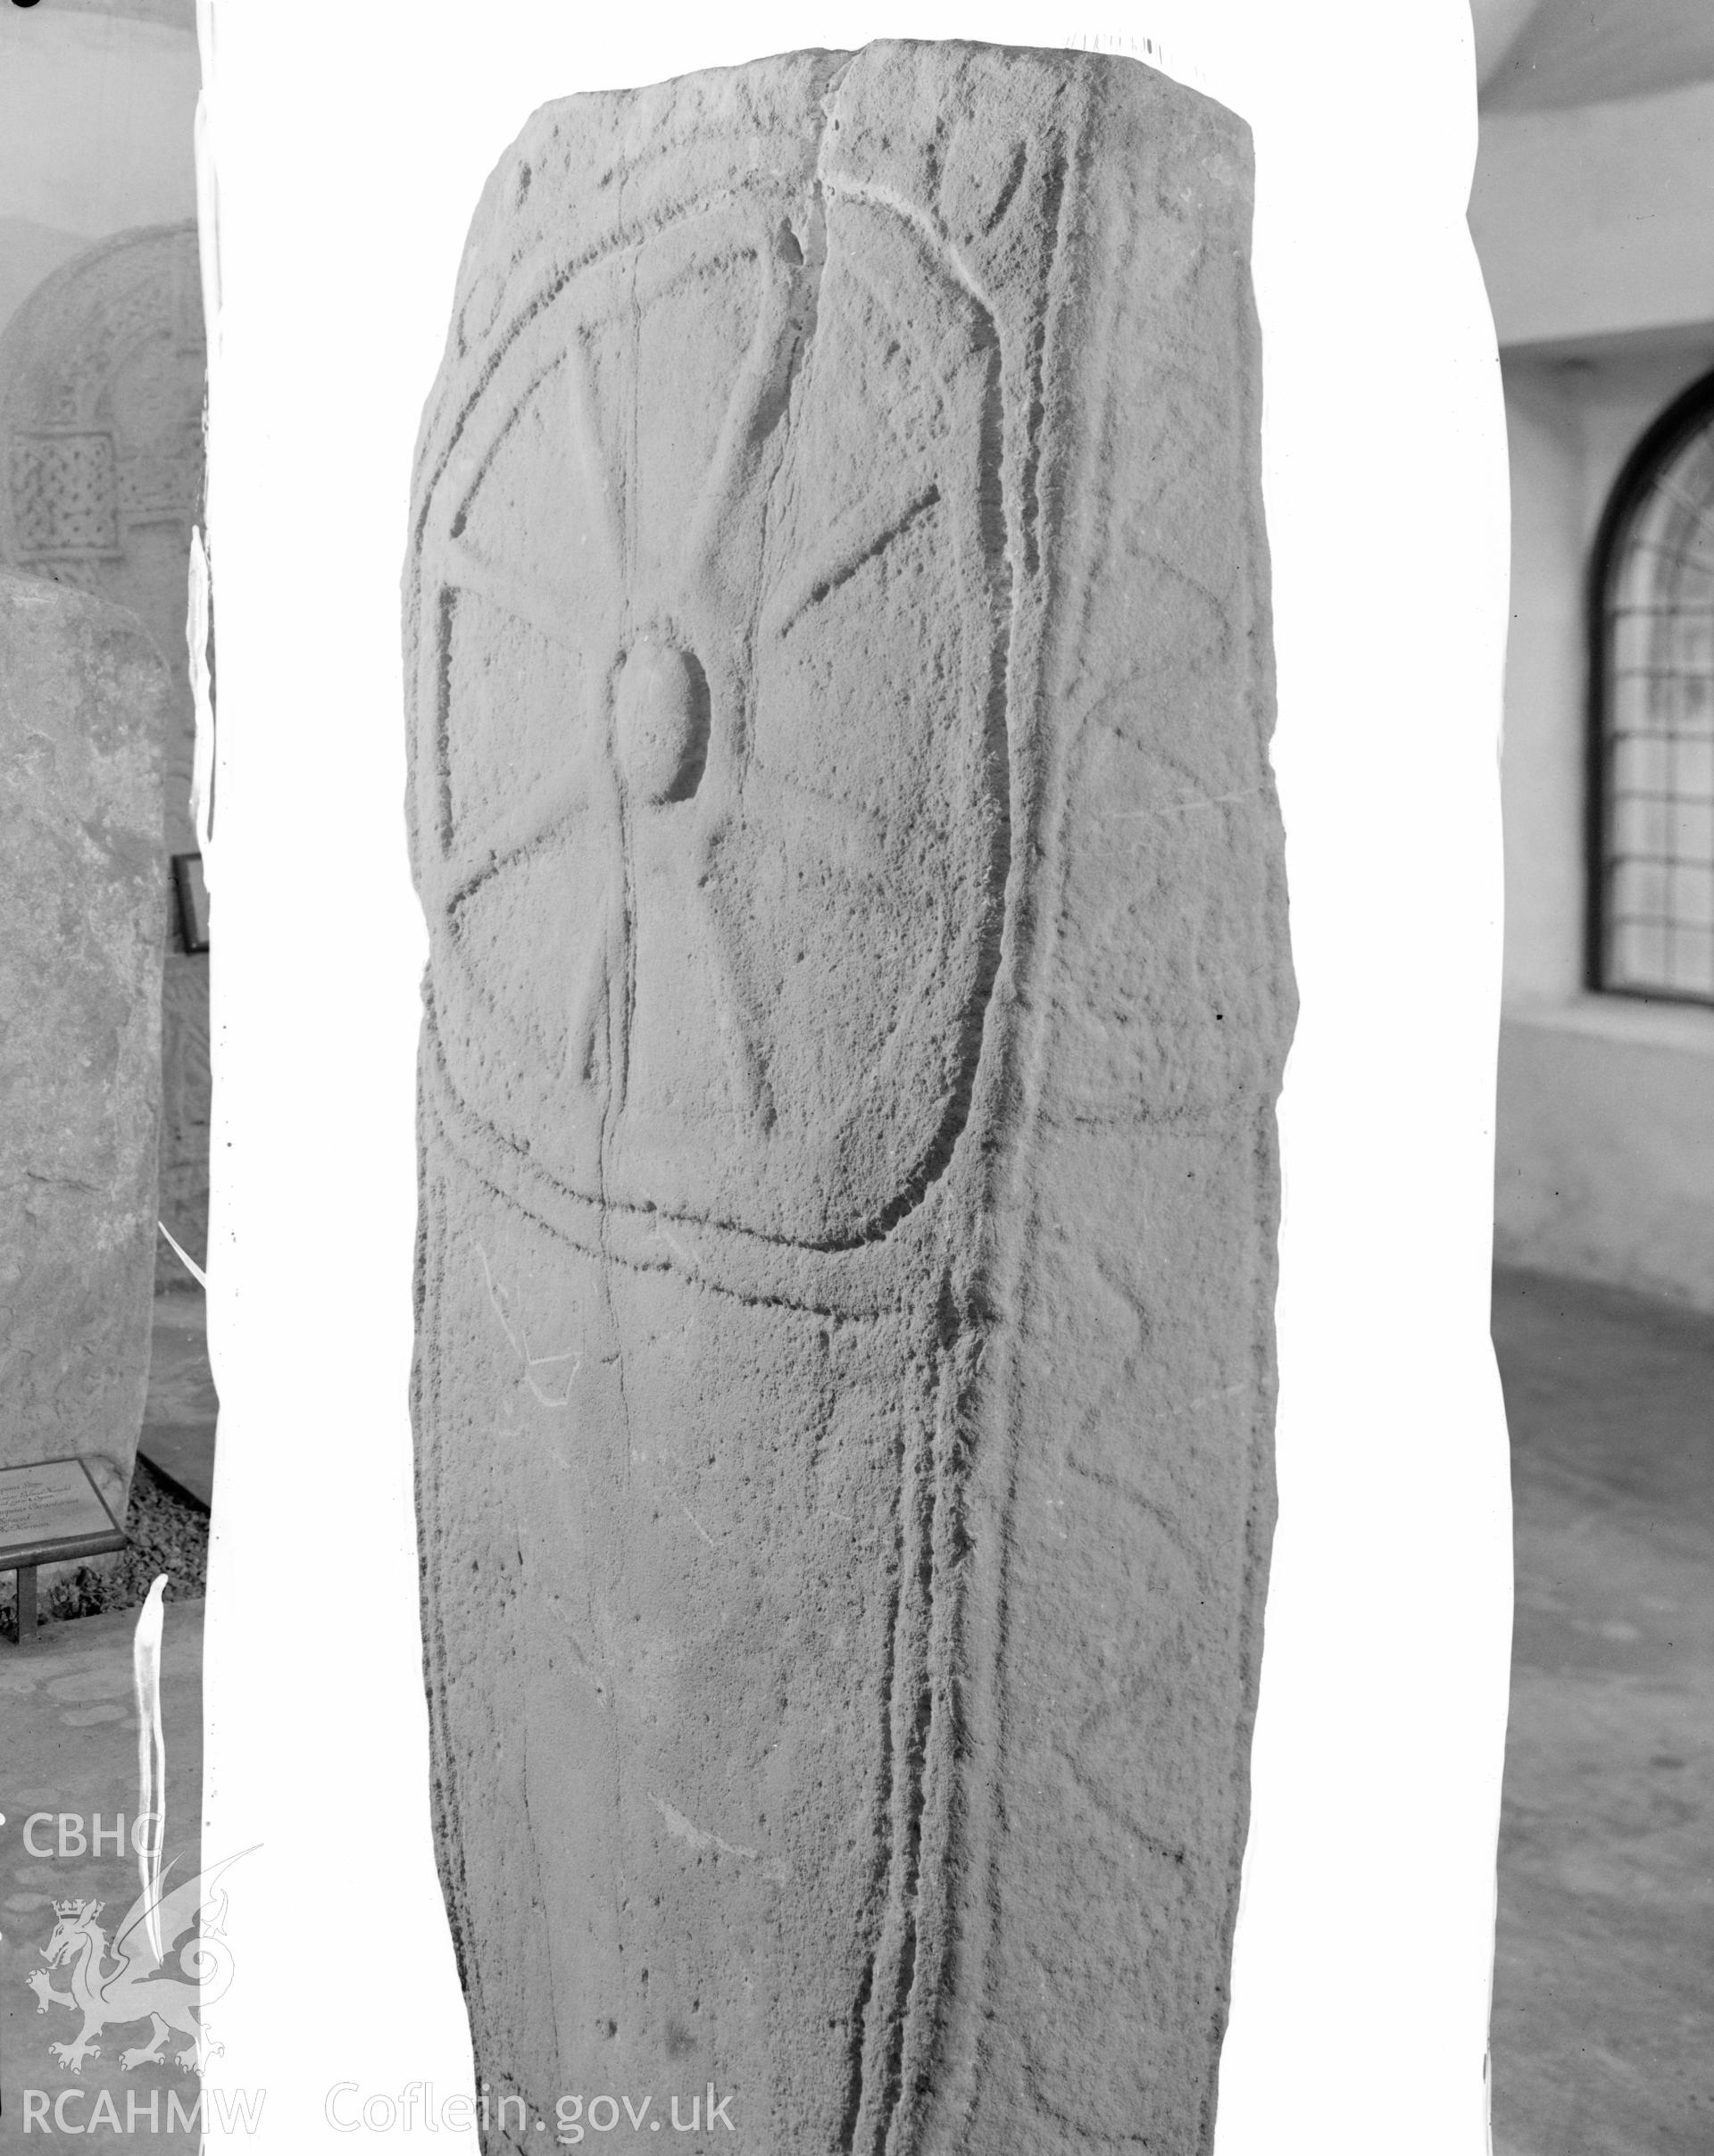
{"x":47,"y":1502}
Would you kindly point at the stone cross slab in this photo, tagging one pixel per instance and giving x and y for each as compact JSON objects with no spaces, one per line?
{"x":837,"y":642}
{"x":84,"y":701}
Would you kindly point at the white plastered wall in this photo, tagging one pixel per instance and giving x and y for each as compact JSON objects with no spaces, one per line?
{"x":1595,"y":228}
{"x":1606,"y":1103}
{"x":95,"y":136}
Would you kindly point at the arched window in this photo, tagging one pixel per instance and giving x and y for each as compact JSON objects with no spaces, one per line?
{"x":1652,"y":928}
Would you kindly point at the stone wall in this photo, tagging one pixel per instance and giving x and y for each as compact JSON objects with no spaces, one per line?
{"x":84,"y":704}
{"x":101,"y":410}
{"x":837,"y":636}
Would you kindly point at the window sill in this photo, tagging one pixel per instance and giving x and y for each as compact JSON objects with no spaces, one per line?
{"x":1632,"y":1020}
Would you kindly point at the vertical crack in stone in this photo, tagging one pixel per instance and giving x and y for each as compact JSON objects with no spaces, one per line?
{"x":940,"y":1738}
{"x":954,"y":2103}
{"x":870,"y":2037}
{"x":911,"y":1712}
{"x":996,"y":746}
{"x":1029,"y":509}
{"x":532,"y":1839}
{"x":442,"y":753}
{"x":855,"y":2052}
{"x":628,"y":507}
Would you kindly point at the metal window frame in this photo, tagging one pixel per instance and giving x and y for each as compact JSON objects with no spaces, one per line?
{"x":1688,"y":414}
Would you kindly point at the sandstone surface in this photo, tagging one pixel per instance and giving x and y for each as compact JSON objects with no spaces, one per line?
{"x":837,"y":640}
{"x":83,"y":703}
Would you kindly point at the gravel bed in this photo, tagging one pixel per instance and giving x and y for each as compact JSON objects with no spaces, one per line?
{"x":169,"y":1534}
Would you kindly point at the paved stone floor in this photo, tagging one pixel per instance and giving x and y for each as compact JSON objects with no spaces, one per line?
{"x":69,"y":1750}
{"x":1603,"y":2010}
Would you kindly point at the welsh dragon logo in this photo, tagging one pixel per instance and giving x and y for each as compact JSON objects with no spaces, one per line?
{"x":134,"y":1989}
{"x":126,"y":1982}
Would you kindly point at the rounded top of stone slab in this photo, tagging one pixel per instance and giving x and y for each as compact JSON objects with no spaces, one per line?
{"x":40,"y":598}
{"x":54,"y":635}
